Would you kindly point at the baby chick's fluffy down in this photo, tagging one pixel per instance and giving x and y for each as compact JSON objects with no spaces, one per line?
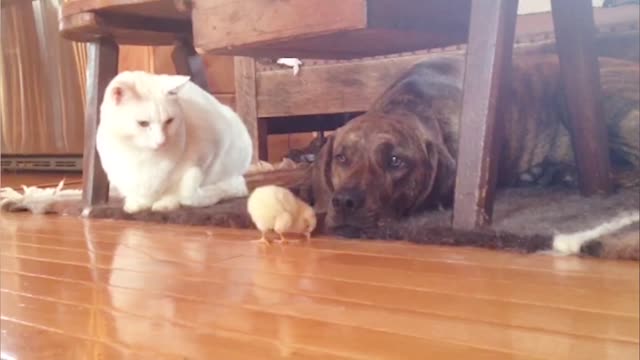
{"x":276,"y":208}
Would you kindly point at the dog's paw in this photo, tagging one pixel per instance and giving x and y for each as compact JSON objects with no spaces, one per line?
{"x":530,"y":177}
{"x":167,"y":203}
{"x":549,"y":173}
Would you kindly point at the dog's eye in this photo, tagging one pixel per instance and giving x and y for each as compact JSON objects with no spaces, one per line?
{"x":143,"y":124}
{"x":168,"y":121}
{"x":341,"y":158}
{"x":395,"y":162}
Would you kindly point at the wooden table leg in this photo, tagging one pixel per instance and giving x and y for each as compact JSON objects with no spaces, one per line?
{"x":246,"y":104}
{"x":575,"y":31}
{"x":102,"y":66}
{"x":188,"y":62}
{"x":488,"y":67}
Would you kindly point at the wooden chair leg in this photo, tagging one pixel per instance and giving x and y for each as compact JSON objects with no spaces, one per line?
{"x":488,"y":67}
{"x":262,"y":137}
{"x":102,"y":67}
{"x":246,"y":104}
{"x":575,"y":31}
{"x":188,"y":62}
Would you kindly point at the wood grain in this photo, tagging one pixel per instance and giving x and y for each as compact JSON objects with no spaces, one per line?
{"x":487,"y":69}
{"x":327,"y":29}
{"x":245,"y":85}
{"x":187,"y":62}
{"x":102,"y":67}
{"x":328,"y":89}
{"x":338,"y":87}
{"x":131,"y":57}
{"x":580,"y":73}
{"x":348,"y":29}
{"x":71,"y":288}
{"x":5,"y":4}
{"x":220,"y":73}
{"x":229,"y":23}
{"x":126,"y":29}
{"x":165,"y":9}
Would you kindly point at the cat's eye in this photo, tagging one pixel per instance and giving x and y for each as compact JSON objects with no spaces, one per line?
{"x":143,"y":124}
{"x":168,"y":121}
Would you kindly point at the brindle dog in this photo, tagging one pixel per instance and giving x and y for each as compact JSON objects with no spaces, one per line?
{"x":399,"y":158}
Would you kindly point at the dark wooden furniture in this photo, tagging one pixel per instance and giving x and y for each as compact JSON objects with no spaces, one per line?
{"x":329,"y":29}
{"x":105,"y":24}
{"x":327,"y":92}
{"x":580,"y":72}
{"x":347,"y":30}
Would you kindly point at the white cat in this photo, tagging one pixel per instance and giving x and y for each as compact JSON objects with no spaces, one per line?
{"x":165,"y":142}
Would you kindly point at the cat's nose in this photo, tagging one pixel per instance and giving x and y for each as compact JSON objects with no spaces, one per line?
{"x":158,"y":141}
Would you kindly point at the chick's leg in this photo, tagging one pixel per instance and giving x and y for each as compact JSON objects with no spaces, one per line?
{"x":283,"y":240}
{"x":263,"y":239}
{"x":282,"y":225}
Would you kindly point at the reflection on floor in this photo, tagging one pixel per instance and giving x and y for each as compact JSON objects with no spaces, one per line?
{"x":75,"y":289}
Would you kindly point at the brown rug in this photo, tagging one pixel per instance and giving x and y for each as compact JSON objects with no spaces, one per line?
{"x":525,"y":219}
{"x":526,"y":211}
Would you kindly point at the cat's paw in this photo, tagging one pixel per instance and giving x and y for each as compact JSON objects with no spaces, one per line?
{"x":212,"y":198}
{"x":191,"y":180}
{"x":167,"y":203}
{"x":134,"y":206}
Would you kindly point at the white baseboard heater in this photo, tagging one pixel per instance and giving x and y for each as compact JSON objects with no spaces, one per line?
{"x":41,"y":163}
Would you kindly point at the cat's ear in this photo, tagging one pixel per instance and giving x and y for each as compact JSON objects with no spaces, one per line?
{"x":173,"y":83}
{"x":120,"y":92}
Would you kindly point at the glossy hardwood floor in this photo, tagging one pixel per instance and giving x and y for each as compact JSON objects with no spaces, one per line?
{"x":76,"y":289}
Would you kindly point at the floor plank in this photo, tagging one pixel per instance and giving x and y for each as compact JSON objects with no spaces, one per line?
{"x":111,"y":289}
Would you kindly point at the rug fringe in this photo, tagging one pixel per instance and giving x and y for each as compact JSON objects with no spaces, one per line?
{"x":35,"y":199}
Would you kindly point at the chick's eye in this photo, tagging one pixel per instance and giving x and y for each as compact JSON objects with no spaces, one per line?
{"x":395,"y":162}
{"x":341,"y":158}
{"x":143,"y":124}
{"x":168,"y":121}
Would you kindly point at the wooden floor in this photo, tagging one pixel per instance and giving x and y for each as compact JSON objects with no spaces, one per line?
{"x":74,"y":289}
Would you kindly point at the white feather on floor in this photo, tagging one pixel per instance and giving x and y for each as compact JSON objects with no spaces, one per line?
{"x":35,"y":199}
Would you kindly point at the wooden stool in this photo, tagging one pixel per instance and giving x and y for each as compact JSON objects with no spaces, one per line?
{"x":105,"y":24}
{"x":338,"y":29}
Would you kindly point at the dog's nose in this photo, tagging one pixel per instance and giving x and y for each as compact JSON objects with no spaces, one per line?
{"x":348,"y":200}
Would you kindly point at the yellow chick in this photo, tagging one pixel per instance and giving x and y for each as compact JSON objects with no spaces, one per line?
{"x":276,"y":208}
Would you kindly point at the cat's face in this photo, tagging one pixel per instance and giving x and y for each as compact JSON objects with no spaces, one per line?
{"x":143,"y":109}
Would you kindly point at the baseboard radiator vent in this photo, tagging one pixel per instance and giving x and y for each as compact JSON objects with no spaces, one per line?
{"x":41,"y":163}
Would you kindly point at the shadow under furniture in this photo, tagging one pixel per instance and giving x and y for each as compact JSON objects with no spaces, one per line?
{"x":323,"y":29}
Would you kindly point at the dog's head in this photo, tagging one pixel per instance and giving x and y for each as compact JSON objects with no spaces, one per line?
{"x":379,"y":166}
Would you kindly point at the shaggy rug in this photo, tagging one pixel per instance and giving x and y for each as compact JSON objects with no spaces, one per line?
{"x":521,"y":215}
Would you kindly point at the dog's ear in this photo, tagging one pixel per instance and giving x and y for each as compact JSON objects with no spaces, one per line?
{"x":445,"y":159}
{"x":444,"y":166}
{"x":321,"y":177}
{"x":441,"y":163}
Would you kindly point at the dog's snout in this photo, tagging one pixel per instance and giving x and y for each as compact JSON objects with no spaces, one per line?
{"x":348,"y":200}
